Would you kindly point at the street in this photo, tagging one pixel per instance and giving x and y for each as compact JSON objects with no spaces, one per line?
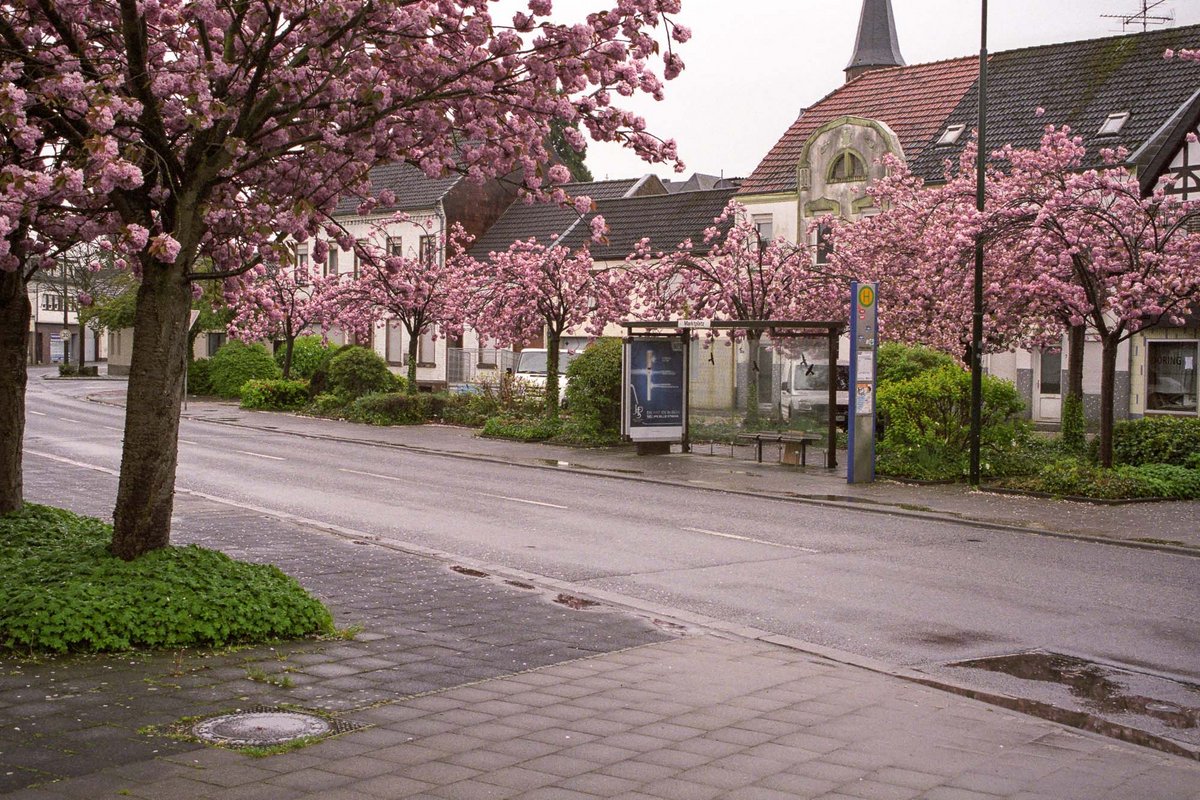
{"x":909,"y":593}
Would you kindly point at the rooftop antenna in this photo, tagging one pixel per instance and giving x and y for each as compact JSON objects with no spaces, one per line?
{"x":1143,"y":17}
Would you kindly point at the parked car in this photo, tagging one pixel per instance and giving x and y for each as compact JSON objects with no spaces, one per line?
{"x":531,"y":367}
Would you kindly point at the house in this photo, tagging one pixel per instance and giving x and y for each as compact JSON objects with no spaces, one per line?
{"x":1114,"y":92}
{"x":633,"y":209}
{"x":54,"y":332}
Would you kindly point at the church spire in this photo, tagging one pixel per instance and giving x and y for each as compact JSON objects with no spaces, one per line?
{"x":876,"y":45}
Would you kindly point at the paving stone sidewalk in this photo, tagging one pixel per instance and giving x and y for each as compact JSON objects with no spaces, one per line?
{"x":474,"y":688}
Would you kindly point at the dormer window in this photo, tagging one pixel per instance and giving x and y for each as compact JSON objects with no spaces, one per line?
{"x":951,"y":134}
{"x":848,"y":166}
{"x":1112,"y":126}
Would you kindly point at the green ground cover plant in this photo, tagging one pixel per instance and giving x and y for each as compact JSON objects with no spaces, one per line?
{"x":1072,"y":477}
{"x":236,"y":362}
{"x":535,"y":429}
{"x":62,"y":590}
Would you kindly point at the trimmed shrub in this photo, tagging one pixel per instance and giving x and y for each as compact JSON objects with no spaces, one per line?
{"x":522,"y":430}
{"x":328,"y":405}
{"x":902,"y":362}
{"x":236,"y":362}
{"x":199,"y":377}
{"x":1156,"y":440}
{"x":308,"y":353}
{"x":594,"y":387}
{"x":390,"y":408}
{"x":274,"y":395}
{"x":928,"y":420}
{"x":319,"y":382}
{"x":357,"y":371}
{"x":64,"y":591}
{"x":68,"y":370}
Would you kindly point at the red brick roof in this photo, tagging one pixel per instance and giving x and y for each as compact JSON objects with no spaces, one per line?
{"x":914,"y":101}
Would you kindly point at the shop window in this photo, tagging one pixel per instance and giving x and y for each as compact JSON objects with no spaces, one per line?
{"x":1171,"y":376}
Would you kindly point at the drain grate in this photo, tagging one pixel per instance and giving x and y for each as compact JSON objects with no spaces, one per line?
{"x":265,"y":726}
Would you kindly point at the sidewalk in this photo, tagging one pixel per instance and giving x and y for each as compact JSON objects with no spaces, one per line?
{"x":1165,"y":524}
{"x":462,"y":686}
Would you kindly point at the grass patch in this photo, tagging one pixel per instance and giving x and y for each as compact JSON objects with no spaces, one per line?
{"x":61,"y":590}
{"x":1074,"y":478}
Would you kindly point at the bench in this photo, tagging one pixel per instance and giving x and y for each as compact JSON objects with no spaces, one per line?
{"x":793,"y":446}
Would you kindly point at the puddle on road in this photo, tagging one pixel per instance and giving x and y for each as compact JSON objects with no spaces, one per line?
{"x":1098,"y":687}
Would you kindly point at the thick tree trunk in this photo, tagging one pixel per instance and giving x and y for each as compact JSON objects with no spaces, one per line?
{"x":146,"y":492}
{"x":1108,"y":384}
{"x":14,"y":343}
{"x":1076,"y":341}
{"x":552,"y":340}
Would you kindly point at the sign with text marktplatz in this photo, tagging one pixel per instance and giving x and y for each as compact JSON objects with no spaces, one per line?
{"x":864,"y":343}
{"x":654,"y":400}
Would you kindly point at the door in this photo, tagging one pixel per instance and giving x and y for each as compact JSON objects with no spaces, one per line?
{"x":1048,"y":385}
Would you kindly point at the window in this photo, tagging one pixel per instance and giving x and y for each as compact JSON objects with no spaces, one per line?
{"x":52,"y":302}
{"x":1112,"y":126}
{"x":215,"y":340}
{"x":394,"y":346}
{"x":765,"y":225}
{"x":395,"y":246}
{"x":426,"y":352}
{"x":429,"y":250}
{"x":824,"y":244}
{"x":1171,"y":376}
{"x":951,"y":134}
{"x":1051,"y":370}
{"x":301,"y":261}
{"x":848,"y":166}
{"x":331,"y":263}
{"x":359,"y":254}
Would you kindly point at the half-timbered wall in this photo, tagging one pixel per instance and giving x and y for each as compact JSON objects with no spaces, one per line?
{"x":1185,"y":168}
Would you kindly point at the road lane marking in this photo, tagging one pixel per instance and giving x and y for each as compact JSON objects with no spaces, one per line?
{"x":707,"y":532}
{"x":259,"y":455}
{"x":111,"y":428}
{"x":38,"y":413}
{"x":186,"y":441}
{"x":370,"y":474}
{"x":68,"y":419}
{"x":519,"y":500}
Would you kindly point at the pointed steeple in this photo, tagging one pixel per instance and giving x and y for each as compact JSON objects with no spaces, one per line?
{"x":876,"y":45}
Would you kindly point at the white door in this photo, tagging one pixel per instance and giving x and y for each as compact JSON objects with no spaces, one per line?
{"x":1047,"y":389}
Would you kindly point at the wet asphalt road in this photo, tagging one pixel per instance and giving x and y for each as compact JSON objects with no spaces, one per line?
{"x":907,"y":592}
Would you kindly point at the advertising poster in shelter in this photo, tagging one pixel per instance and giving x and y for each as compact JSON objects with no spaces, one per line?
{"x":655,"y":389}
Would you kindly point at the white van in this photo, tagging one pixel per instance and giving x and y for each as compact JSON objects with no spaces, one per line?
{"x":531,"y":366}
{"x":805,"y":390}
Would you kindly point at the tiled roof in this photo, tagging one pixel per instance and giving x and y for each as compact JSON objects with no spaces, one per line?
{"x":913,"y":101}
{"x":1077,"y":83}
{"x":666,"y":219}
{"x":414,"y":190}
{"x":548,"y":221}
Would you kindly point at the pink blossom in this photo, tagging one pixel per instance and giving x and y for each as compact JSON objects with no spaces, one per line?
{"x":164,"y":248}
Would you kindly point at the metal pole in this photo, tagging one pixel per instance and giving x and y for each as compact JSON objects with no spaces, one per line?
{"x":832,"y":337}
{"x":977,"y":316}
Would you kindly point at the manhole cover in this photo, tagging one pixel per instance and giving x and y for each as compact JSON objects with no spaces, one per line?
{"x":261,"y":728}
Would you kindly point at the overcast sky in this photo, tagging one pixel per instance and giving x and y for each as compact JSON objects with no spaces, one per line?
{"x":753,"y":64}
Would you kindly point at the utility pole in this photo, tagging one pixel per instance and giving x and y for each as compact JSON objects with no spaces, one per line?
{"x":977,"y":315}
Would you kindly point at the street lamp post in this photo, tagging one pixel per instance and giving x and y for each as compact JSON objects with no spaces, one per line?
{"x":977,"y":315}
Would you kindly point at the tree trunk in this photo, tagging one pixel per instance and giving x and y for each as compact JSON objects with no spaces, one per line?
{"x":81,"y":360}
{"x":287,"y":356}
{"x":1076,"y":341}
{"x":552,"y":340}
{"x":414,"y":343}
{"x":1108,"y":384}
{"x":752,"y":343}
{"x":15,"y":312}
{"x":146,"y":492}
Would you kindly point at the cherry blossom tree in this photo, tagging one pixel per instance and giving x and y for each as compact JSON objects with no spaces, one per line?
{"x":283,"y":300}
{"x":737,"y":276}
{"x":220,"y":128}
{"x":1067,"y":246}
{"x":532,"y":289}
{"x":420,"y":291}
